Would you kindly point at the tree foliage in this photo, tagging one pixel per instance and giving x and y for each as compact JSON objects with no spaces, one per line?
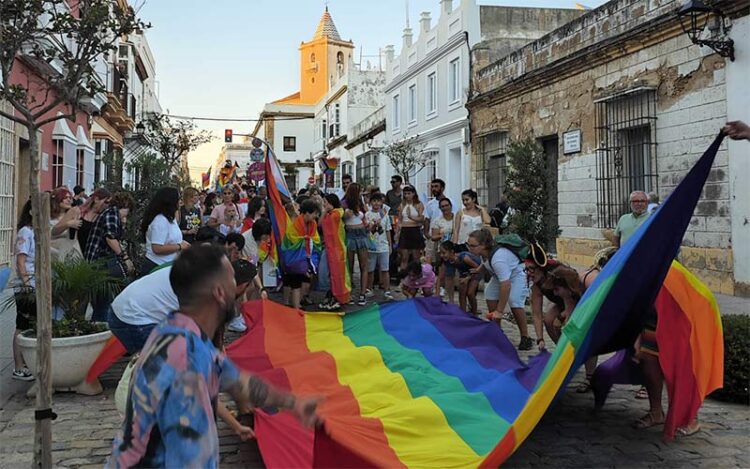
{"x":406,"y":156}
{"x":528,"y":191}
{"x":62,"y":41}
{"x":172,"y":139}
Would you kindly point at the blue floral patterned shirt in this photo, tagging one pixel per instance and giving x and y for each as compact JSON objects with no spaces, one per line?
{"x":170,"y":415}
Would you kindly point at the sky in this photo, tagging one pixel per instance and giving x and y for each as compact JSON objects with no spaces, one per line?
{"x":227,"y":58}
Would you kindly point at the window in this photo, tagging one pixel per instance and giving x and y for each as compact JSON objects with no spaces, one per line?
{"x":7,"y":190}
{"x":454,"y":81}
{"x":334,"y":129}
{"x":396,"y":112}
{"x":626,"y":157}
{"x":312,"y":57}
{"x":80,"y":169}
{"x":367,"y":169}
{"x":413,"y":103}
{"x":290,"y":143}
{"x":431,"y":93}
{"x":323,"y":130}
{"x":57,"y":170}
{"x":423,"y":176}
{"x":345,"y":168}
{"x":492,"y":169}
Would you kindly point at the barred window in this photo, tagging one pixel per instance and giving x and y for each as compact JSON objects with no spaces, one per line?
{"x":491,"y":169}
{"x":367,"y":169}
{"x":626,"y":153}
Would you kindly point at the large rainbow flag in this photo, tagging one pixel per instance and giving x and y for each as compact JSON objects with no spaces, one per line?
{"x":423,"y":384}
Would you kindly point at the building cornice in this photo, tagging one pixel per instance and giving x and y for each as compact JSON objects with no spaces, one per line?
{"x":377,"y":128}
{"x":444,"y":129}
{"x":429,"y":60}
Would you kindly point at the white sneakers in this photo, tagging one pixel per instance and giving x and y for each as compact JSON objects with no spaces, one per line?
{"x":237,"y":324}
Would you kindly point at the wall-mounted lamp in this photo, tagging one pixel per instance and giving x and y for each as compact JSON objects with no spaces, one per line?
{"x":140,"y":129}
{"x":694,"y":16}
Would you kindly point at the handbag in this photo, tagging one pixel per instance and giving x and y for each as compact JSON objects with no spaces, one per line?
{"x":123,"y":386}
{"x":115,"y":268}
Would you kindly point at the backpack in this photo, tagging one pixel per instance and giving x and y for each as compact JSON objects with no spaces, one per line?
{"x":514,"y":243}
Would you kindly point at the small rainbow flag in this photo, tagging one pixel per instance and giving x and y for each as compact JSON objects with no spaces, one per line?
{"x":691,"y":345}
{"x":334,"y":235}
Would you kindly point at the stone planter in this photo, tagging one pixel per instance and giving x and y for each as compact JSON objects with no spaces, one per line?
{"x":71,"y":359}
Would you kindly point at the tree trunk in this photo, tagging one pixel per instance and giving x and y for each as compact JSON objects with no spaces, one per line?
{"x":40,"y":211}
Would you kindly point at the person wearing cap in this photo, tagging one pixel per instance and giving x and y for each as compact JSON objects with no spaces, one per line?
{"x":537,"y":267}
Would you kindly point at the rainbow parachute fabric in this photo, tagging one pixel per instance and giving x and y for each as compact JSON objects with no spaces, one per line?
{"x":419,"y":383}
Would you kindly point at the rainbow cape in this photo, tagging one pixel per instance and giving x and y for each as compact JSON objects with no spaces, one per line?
{"x":296,"y":244}
{"x":334,"y":235}
{"x":423,"y":384}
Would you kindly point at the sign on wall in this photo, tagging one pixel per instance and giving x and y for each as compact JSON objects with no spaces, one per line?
{"x":572,"y":142}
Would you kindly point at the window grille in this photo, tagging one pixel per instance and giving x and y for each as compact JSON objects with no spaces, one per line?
{"x":626,"y":153}
{"x":367,"y":169}
{"x":491,"y":168}
{"x":290,"y":143}
{"x":7,"y":186}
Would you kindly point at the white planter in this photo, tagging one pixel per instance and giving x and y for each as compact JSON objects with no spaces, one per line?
{"x":71,"y":359}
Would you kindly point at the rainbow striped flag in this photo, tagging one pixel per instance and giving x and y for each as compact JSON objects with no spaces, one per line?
{"x":295,"y":245}
{"x":691,"y":345}
{"x":334,"y":235}
{"x":423,"y":384}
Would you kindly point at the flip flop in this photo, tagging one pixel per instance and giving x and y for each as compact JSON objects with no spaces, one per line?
{"x":687,"y":431}
{"x":647,"y":421}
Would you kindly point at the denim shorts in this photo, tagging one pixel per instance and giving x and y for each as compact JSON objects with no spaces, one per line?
{"x":132,"y":337}
{"x":378,"y":259}
{"x":519,"y":290}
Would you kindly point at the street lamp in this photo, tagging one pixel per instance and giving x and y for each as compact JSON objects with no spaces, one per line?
{"x":140,"y":129}
{"x":694,"y":16}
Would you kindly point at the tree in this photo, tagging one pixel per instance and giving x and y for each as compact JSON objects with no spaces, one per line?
{"x":61,"y":41}
{"x":173,"y":139}
{"x":528,"y":192}
{"x":406,"y":156}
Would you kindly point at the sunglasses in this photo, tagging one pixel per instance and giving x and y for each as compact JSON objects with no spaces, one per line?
{"x":472,"y":245}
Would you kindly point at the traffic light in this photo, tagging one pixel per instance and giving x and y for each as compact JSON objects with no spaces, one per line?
{"x":227,"y":135}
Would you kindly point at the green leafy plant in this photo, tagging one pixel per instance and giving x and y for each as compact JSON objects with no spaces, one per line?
{"x":528,"y":192}
{"x":736,"y":360}
{"x":76,"y":283}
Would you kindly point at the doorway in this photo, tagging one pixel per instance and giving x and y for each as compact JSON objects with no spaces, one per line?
{"x":551,"y":148}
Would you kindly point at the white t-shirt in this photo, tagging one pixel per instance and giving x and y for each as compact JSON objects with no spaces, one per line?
{"x":446,"y":226}
{"x":381,"y":239}
{"x":148,"y":300}
{"x":432,"y":208}
{"x":25,"y":245}
{"x":162,"y":232}
{"x":506,"y":265}
{"x":250,"y":251}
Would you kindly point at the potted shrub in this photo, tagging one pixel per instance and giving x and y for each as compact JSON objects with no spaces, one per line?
{"x":76,"y":342}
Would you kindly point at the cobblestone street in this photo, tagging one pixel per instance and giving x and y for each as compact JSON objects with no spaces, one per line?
{"x":569,"y":435}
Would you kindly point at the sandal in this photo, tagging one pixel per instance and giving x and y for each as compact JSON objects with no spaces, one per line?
{"x":647,"y":421}
{"x":585,"y":386}
{"x":642,"y":393}
{"x":688,"y":430}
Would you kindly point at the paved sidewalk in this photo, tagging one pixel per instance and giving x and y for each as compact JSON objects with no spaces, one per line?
{"x":569,"y":435}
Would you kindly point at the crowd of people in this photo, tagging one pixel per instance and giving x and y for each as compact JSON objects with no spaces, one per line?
{"x":203,"y":255}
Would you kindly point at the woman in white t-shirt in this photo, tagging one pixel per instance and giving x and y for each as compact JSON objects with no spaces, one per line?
{"x":161,"y":230}
{"x":470,"y":218}
{"x":23,"y":290}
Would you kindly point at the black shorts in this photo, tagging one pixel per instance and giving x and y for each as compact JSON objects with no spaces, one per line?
{"x":411,"y":238}
{"x":25,"y":309}
{"x":295,"y":280}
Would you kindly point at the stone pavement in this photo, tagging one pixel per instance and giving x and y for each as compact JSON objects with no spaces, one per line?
{"x":569,"y":434}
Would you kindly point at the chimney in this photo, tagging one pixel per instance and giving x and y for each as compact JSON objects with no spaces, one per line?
{"x":408,"y":36}
{"x":424,"y":21}
{"x":390,"y":52}
{"x":447,"y":6}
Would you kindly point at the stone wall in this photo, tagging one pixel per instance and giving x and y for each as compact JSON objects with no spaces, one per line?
{"x":691,"y":107}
